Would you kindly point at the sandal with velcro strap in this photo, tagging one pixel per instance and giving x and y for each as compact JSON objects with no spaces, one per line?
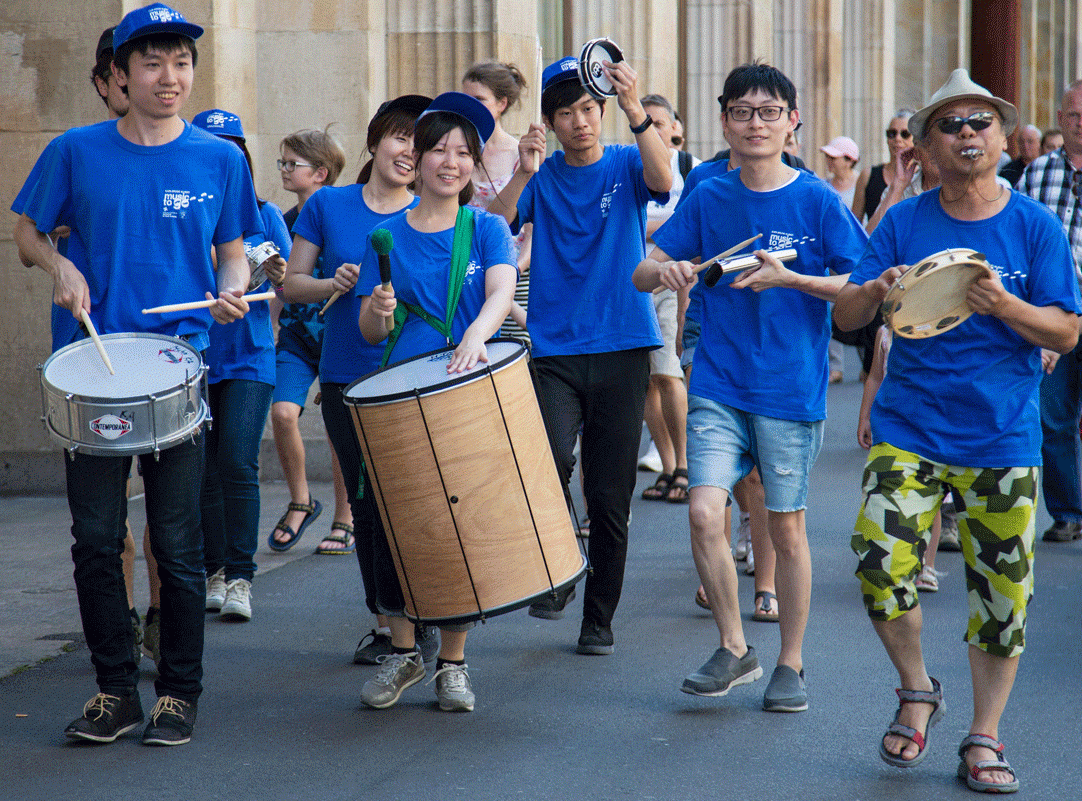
{"x":311,"y":512}
{"x":933,"y":697}
{"x":970,"y":774}
{"x":345,"y":539}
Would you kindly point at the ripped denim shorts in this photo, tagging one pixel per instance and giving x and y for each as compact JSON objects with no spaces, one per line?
{"x":725,"y":443}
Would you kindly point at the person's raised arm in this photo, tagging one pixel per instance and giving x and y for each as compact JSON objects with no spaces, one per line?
{"x":656,"y":156}
{"x":506,"y":202}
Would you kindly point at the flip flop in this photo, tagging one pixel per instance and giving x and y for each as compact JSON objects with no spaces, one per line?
{"x":311,"y":512}
{"x":935,"y":698}
{"x":346,"y":538}
{"x":764,"y":608}
{"x":970,"y":774}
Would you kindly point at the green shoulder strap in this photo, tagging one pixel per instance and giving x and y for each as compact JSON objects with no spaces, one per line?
{"x":460,"y":258}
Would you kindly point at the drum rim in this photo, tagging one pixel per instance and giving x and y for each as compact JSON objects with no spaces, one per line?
{"x":136,"y":448}
{"x":585,"y":78}
{"x":897,"y":292}
{"x":452,"y":381}
{"x":193,"y":379}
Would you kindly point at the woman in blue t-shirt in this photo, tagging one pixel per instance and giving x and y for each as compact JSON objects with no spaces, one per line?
{"x":240,"y":359}
{"x":447,"y":147}
{"x":334,"y":224}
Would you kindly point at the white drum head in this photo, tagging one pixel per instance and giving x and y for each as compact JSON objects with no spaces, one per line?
{"x":591,"y":74}
{"x":426,"y":374}
{"x":145,"y":364}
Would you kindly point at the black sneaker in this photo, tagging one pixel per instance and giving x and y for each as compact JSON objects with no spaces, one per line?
{"x":171,"y":722}
{"x":372,"y":646}
{"x":595,"y":639}
{"x":1063,"y":531}
{"x":723,"y":671}
{"x":106,"y":717}
{"x":552,"y":608}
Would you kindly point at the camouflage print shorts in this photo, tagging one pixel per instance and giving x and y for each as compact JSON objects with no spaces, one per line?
{"x":902,"y":493}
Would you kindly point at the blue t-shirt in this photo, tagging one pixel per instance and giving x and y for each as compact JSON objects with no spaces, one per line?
{"x":145,"y":218}
{"x":588,"y":238}
{"x":765,"y":352}
{"x":245,"y":348}
{"x":703,"y":172}
{"x":969,"y":397}
{"x":420,"y":267}
{"x":64,"y":326}
{"x":337,"y":220}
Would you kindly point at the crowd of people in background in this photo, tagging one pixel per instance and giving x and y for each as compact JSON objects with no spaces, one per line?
{"x":589,"y":255}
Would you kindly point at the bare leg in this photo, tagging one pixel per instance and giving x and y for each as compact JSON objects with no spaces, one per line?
{"x":673,"y":397}
{"x":402,"y":632}
{"x":342,"y":511}
{"x":655,"y":423}
{"x":752,"y":499}
{"x":287,"y":439}
{"x":933,"y":543}
{"x":793,"y":578}
{"x":717,"y":571}
{"x":901,"y":638}
{"x":452,"y":645}
{"x":993,"y":677}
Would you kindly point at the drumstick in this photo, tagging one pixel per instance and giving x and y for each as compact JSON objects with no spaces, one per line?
{"x":724,"y":254}
{"x":383,"y":243}
{"x":204,"y":304}
{"x":97,"y":340}
{"x":334,"y":296}
{"x":537,"y":106}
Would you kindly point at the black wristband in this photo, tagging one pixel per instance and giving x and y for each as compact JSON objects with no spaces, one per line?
{"x":643,"y":126}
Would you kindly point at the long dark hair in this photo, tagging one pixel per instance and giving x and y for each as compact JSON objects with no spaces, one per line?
{"x":383,"y":125}
{"x":431,"y":128}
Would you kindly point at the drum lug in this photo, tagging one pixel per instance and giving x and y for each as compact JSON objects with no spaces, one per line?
{"x":157,"y":454}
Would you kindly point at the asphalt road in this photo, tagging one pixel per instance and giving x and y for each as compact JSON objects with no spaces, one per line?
{"x":281,"y":718}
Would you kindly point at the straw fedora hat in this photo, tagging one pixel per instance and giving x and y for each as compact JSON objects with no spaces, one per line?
{"x":961,"y":87}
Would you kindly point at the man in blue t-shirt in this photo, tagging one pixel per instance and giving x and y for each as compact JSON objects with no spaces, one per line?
{"x":960,"y":410}
{"x":591,"y":331}
{"x":758,"y":383}
{"x":174,"y":192}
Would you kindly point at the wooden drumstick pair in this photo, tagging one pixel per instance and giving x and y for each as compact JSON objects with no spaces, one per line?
{"x":710,"y":263}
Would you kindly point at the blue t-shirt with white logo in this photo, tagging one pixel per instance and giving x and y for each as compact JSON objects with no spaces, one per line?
{"x":765,"y":352}
{"x":588,"y":238}
{"x":337,"y":220}
{"x":420,"y":268}
{"x":245,"y":348}
{"x":969,"y":396}
{"x":145,"y":218}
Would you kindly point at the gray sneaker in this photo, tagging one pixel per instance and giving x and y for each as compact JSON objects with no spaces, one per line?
{"x":216,"y":590}
{"x":1063,"y":531}
{"x":372,"y":646}
{"x":786,"y":691}
{"x":453,"y":688}
{"x":398,"y":672}
{"x":238,"y":600}
{"x":428,"y":641}
{"x":723,"y":671}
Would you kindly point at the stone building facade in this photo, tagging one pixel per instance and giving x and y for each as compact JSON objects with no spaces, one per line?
{"x":307,"y":63}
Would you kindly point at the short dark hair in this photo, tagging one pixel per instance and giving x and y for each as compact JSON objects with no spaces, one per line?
{"x":102,"y":70}
{"x":760,"y":75}
{"x":163,"y":42}
{"x":1048,"y":133}
{"x":431,"y":128}
{"x":561,"y":95}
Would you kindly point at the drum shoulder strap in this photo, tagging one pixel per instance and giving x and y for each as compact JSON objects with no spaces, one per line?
{"x":460,"y":258}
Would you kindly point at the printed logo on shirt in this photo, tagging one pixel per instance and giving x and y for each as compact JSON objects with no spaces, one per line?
{"x":109,"y":426}
{"x":471,"y":268}
{"x":606,"y":200}
{"x":1006,"y":276}
{"x":781,"y":240}
{"x":175,"y":202}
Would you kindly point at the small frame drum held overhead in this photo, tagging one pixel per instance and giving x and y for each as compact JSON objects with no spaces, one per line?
{"x":591,"y":73}
{"x":930,"y":297}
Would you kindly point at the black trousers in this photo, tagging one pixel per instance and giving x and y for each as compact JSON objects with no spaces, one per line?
{"x":604,"y":395}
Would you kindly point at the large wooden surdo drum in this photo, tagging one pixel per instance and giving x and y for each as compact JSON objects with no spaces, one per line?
{"x":466,"y":484}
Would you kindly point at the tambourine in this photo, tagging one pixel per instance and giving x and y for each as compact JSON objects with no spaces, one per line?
{"x":930,"y":297}
{"x":257,"y":257}
{"x":591,"y":73}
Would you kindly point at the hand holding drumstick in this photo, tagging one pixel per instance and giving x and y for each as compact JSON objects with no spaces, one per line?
{"x":345,"y":278}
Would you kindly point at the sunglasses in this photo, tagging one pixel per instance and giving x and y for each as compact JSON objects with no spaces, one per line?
{"x":893,"y":133}
{"x":976,"y":122}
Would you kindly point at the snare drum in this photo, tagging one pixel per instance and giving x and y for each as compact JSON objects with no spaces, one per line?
{"x":466,"y":484}
{"x":930,"y":297}
{"x":155,"y":400}
{"x":591,"y":74}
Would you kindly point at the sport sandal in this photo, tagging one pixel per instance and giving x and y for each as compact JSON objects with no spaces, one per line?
{"x":970,"y":774}
{"x":311,"y":512}
{"x":935,"y":698}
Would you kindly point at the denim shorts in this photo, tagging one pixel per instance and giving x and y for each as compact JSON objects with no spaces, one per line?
{"x":725,"y":443}
{"x":293,"y":377}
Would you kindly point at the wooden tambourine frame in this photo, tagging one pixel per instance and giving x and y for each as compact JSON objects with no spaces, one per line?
{"x":930,"y":297}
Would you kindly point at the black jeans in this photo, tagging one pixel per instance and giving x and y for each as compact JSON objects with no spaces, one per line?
{"x":382,"y":592}
{"x":604,"y":395}
{"x":98,"y":501}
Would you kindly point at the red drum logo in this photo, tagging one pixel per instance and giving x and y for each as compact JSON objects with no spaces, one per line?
{"x":109,"y":426}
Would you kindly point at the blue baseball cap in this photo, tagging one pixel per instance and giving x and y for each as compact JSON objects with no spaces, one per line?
{"x":472,"y":109}
{"x":219,"y":123}
{"x":155,"y":18}
{"x":566,"y":69}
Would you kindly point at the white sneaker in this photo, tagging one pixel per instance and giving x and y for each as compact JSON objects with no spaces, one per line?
{"x":927,"y":580}
{"x":749,"y":564}
{"x":651,"y":460}
{"x":453,"y":688}
{"x":216,"y":590}
{"x":238,"y":600}
{"x":743,"y":538}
